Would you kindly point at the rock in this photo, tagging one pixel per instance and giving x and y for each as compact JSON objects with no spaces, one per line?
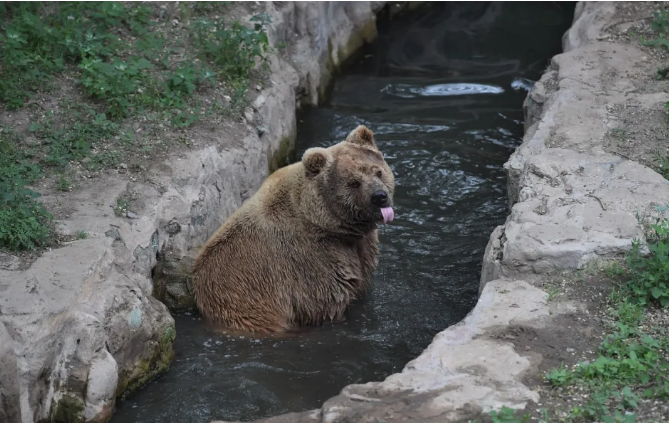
{"x":248,"y":115}
{"x":9,"y":261}
{"x":172,"y":228}
{"x":10,"y":406}
{"x":101,"y":389}
{"x":32,"y":141}
{"x":173,"y":284}
{"x":563,"y":188}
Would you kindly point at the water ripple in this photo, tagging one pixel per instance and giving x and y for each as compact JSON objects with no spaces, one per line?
{"x":440,"y":90}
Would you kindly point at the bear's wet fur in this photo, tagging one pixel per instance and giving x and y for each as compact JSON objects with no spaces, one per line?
{"x":301,"y":249}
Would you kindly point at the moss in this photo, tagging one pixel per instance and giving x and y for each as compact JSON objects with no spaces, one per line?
{"x":70,"y":409}
{"x":345,"y":55}
{"x":157,"y":360}
{"x":283,"y":155}
{"x":367,"y":33}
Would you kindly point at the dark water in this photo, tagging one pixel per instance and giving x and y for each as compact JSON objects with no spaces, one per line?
{"x":442,"y":89}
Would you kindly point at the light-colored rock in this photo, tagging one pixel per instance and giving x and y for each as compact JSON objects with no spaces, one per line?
{"x":10,"y":407}
{"x":101,"y":389}
{"x":590,"y":18}
{"x":573,"y":208}
{"x":565,"y":190}
{"x":82,"y":324}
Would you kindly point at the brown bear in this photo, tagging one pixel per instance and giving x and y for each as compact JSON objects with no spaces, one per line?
{"x":303,"y":246}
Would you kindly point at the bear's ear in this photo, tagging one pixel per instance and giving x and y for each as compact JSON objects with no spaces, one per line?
{"x":314,"y":161}
{"x":362,"y":136}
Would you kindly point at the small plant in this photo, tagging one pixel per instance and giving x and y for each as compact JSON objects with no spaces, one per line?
{"x":507,"y":415}
{"x":121,"y":207}
{"x":650,"y":275}
{"x":236,"y":49}
{"x":560,"y":376}
{"x":613,"y":269}
{"x":660,"y":27}
{"x":553,"y":294}
{"x":82,"y":234}
{"x":24,"y":223}
{"x":662,"y":165}
{"x":63,"y":183}
{"x":619,"y":133}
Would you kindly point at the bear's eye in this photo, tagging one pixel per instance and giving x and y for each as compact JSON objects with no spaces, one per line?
{"x":355,"y":184}
{"x":379,"y":174}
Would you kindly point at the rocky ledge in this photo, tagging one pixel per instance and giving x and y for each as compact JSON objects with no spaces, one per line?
{"x":81,"y":327}
{"x":577,"y":193}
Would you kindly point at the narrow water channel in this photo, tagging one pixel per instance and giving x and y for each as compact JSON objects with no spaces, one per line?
{"x":442,"y":89}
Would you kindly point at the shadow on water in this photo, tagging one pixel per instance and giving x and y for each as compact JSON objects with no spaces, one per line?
{"x":442,"y":89}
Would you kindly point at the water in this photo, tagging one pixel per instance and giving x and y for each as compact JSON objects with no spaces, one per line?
{"x":442,"y":89}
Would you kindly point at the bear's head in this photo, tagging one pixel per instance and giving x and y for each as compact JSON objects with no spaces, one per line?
{"x":352,"y":180}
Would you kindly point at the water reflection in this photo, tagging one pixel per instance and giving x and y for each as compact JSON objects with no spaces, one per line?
{"x":440,"y":90}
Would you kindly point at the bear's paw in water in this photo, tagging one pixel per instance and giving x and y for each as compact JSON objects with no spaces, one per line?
{"x":304,"y":246}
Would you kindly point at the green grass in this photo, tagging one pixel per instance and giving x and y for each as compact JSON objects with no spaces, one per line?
{"x":24,"y":223}
{"x":126,"y":66}
{"x":42,"y":40}
{"x":662,"y":165}
{"x":660,"y":27}
{"x":631,"y":364}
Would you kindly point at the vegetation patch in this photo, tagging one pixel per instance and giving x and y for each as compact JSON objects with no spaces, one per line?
{"x":660,"y":27}
{"x":622,"y":375}
{"x":89,"y":86}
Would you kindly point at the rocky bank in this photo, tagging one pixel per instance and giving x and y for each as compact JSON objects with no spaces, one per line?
{"x":580,"y":188}
{"x":82,"y":326}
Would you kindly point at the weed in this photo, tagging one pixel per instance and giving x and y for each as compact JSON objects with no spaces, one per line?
{"x":660,"y":27}
{"x":662,"y":165}
{"x":63,"y":183}
{"x":124,"y":65}
{"x":553,"y":294}
{"x":631,"y":361}
{"x":234,"y":50}
{"x":619,"y":133}
{"x":121,"y":207}
{"x":663,"y":73}
{"x":650,"y":275}
{"x":41,"y":42}
{"x":613,"y":269}
{"x":72,"y":140}
{"x":82,"y":234}
{"x":24,"y":223}
{"x":507,"y":415}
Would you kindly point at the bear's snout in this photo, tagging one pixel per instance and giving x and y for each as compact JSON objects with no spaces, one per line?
{"x":380,"y":198}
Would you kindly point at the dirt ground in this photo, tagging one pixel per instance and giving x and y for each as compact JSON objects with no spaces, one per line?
{"x":641,"y":133}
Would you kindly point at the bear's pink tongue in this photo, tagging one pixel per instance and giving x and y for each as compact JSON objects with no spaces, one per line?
{"x":388,"y":214}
